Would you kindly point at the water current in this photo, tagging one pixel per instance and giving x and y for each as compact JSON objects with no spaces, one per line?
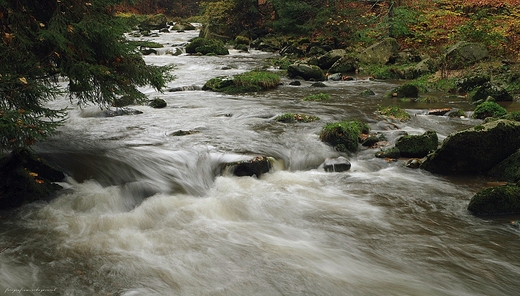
{"x":145,"y":212}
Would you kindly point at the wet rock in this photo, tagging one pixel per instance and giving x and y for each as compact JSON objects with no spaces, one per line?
{"x":307,"y":72}
{"x":368,"y":92}
{"x":439,"y":112}
{"x":417,"y":145}
{"x":318,"y":84}
{"x":335,"y":77}
{"x":25,"y":178}
{"x":339,"y":164}
{"x":500,"y":200}
{"x":508,"y":169}
{"x":295,"y":83}
{"x":327,"y":60}
{"x":392,"y":152}
{"x":380,"y":53}
{"x":181,"y":133}
{"x":406,"y":90}
{"x":469,"y":83}
{"x":120,"y":112}
{"x":344,"y":65}
{"x":413,"y":163}
{"x":465,"y":54}
{"x":475,"y":150}
{"x":489,"y":89}
{"x":253,"y":167}
{"x":157,"y":103}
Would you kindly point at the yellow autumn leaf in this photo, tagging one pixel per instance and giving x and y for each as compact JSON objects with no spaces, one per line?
{"x":33,"y":174}
{"x":23,"y":80}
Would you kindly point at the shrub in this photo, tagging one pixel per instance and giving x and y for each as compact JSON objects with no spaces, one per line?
{"x":344,"y":135}
{"x":489,"y":109}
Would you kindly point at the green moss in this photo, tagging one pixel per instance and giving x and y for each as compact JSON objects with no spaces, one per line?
{"x":394,"y":112}
{"x":489,"y":109}
{"x":417,"y":145}
{"x":317,"y":97}
{"x":496,"y":201}
{"x":252,"y":81}
{"x":206,"y":46}
{"x":515,"y":115}
{"x":292,"y":117}
{"x":344,"y":135}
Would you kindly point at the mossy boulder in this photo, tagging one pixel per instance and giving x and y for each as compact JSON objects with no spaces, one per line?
{"x":392,"y":152}
{"x":219,"y":84}
{"x":306,"y":71}
{"x":488,"y":89}
{"x":154,"y":22}
{"x":489,"y":109}
{"x":381,"y":53}
{"x":345,"y":64}
{"x":417,"y":145}
{"x":157,"y":103}
{"x":469,"y":83}
{"x":475,"y":150}
{"x":25,"y":178}
{"x":464,"y":54}
{"x":508,"y":169}
{"x":406,"y":90}
{"x":344,"y":135}
{"x":328,"y":59}
{"x":206,"y":46}
{"x":501,"y":200}
{"x":123,"y":101}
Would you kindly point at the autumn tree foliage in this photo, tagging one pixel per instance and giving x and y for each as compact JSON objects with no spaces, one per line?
{"x":46,"y":42}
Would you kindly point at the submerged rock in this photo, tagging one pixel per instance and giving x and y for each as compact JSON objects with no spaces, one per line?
{"x":25,"y":178}
{"x":339,"y":164}
{"x":475,"y":150}
{"x":501,"y":200}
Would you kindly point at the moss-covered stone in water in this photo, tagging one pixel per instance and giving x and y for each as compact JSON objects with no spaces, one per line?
{"x":394,"y":112}
{"x":417,"y":145}
{"x":344,"y":135}
{"x":508,"y":169}
{"x":500,"y":200}
{"x":406,"y":90}
{"x":220,"y":83}
{"x":489,"y":109}
{"x":291,"y":118}
{"x":206,"y":46}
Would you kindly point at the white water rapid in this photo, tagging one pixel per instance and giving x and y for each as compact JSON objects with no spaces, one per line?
{"x":145,"y":212}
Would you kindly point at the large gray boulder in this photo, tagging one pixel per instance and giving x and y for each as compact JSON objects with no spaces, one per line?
{"x":380,"y":53}
{"x":154,"y":22}
{"x":305,"y":71}
{"x":475,"y":150}
{"x":345,"y":64}
{"x":327,"y":60}
{"x":465,"y":54}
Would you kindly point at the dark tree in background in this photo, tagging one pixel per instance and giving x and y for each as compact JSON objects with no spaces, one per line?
{"x":79,"y":42}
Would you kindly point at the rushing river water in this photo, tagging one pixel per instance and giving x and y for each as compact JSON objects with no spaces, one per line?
{"x":145,"y":212}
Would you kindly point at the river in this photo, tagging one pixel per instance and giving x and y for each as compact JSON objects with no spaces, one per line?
{"x":145,"y":212}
